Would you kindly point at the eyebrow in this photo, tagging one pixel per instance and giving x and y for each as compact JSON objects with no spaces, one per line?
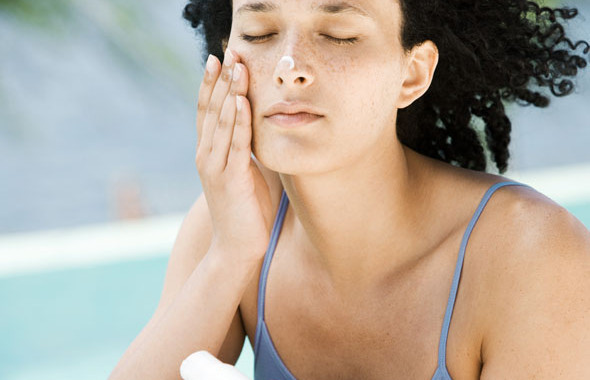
{"x":340,"y":7}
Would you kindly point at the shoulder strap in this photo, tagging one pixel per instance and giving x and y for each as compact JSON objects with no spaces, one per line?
{"x":274,"y":237}
{"x":442,"y":348}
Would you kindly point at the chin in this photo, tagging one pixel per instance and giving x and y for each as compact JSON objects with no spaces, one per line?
{"x":294,"y":154}
{"x":294,"y":161}
{"x":269,"y":160}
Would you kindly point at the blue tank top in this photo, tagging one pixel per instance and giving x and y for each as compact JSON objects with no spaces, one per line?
{"x":267,"y":362}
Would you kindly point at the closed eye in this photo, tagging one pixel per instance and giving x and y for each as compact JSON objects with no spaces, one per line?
{"x":341,"y":41}
{"x":338,"y":41}
{"x":248,"y":38}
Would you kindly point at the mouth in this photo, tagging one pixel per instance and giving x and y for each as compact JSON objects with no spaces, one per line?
{"x":291,"y":120}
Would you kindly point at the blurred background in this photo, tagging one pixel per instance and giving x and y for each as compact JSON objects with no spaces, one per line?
{"x":97,"y":144}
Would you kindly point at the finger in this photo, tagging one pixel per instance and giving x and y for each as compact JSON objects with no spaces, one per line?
{"x":216,"y":102}
{"x":240,"y":150}
{"x":222,"y":137}
{"x":223,"y":134}
{"x":206,"y":90}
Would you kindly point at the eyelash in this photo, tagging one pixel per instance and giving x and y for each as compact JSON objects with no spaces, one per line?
{"x":338,"y":41}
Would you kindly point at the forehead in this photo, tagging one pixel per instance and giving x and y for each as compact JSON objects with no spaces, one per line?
{"x":364,"y":8}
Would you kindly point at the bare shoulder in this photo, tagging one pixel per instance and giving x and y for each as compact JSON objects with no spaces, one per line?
{"x":537,"y":323}
{"x":539,"y":229}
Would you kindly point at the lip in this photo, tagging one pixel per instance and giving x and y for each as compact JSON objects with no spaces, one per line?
{"x":293,"y":120}
{"x":292,"y":114}
{"x":290,"y":108}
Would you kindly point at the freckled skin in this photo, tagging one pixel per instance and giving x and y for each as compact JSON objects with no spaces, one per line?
{"x":355,"y":86}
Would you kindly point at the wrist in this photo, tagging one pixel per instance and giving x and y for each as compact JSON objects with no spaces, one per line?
{"x":240,"y":263}
{"x":245,"y":254}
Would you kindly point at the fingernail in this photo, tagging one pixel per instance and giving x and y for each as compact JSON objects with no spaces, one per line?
{"x":237,"y":72}
{"x":210,"y":64}
{"x":229,"y":58}
{"x":239,"y":103}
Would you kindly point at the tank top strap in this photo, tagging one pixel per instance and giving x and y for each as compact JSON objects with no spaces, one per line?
{"x":442,"y":348}
{"x":274,"y":237}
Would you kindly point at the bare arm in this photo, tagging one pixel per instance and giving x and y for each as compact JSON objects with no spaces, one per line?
{"x":198,"y":308}
{"x":540,"y":325}
{"x":221,"y":243}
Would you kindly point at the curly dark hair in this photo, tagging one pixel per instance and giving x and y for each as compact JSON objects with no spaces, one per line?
{"x":491,"y":53}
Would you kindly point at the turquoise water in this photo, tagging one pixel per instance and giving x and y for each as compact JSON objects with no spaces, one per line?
{"x":581,"y":211}
{"x":76,"y":323}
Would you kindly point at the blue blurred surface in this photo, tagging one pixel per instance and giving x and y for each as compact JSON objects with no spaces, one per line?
{"x":76,"y":323}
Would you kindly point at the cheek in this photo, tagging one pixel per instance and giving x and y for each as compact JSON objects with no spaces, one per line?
{"x":261,"y":71}
{"x":258,"y":73}
{"x":366,"y":88}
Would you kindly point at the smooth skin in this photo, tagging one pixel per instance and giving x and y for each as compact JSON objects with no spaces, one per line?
{"x":361,"y":274}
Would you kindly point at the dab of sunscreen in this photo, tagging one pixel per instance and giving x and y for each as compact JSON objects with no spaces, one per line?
{"x":287,"y":60}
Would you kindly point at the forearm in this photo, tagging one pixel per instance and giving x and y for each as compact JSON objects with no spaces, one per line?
{"x":197,"y":319}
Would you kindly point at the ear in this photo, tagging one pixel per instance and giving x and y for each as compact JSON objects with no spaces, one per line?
{"x":419,"y":72}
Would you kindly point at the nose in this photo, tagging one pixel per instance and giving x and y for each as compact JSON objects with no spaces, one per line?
{"x":291,"y":72}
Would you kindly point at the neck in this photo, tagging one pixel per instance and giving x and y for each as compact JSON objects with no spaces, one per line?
{"x":358,"y":232}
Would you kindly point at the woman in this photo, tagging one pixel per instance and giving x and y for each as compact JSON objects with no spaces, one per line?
{"x":370,"y":123}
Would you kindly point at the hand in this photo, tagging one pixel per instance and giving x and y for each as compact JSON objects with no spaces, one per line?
{"x":237,"y":195}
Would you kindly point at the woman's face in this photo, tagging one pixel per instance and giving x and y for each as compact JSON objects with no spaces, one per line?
{"x":354,"y":84}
